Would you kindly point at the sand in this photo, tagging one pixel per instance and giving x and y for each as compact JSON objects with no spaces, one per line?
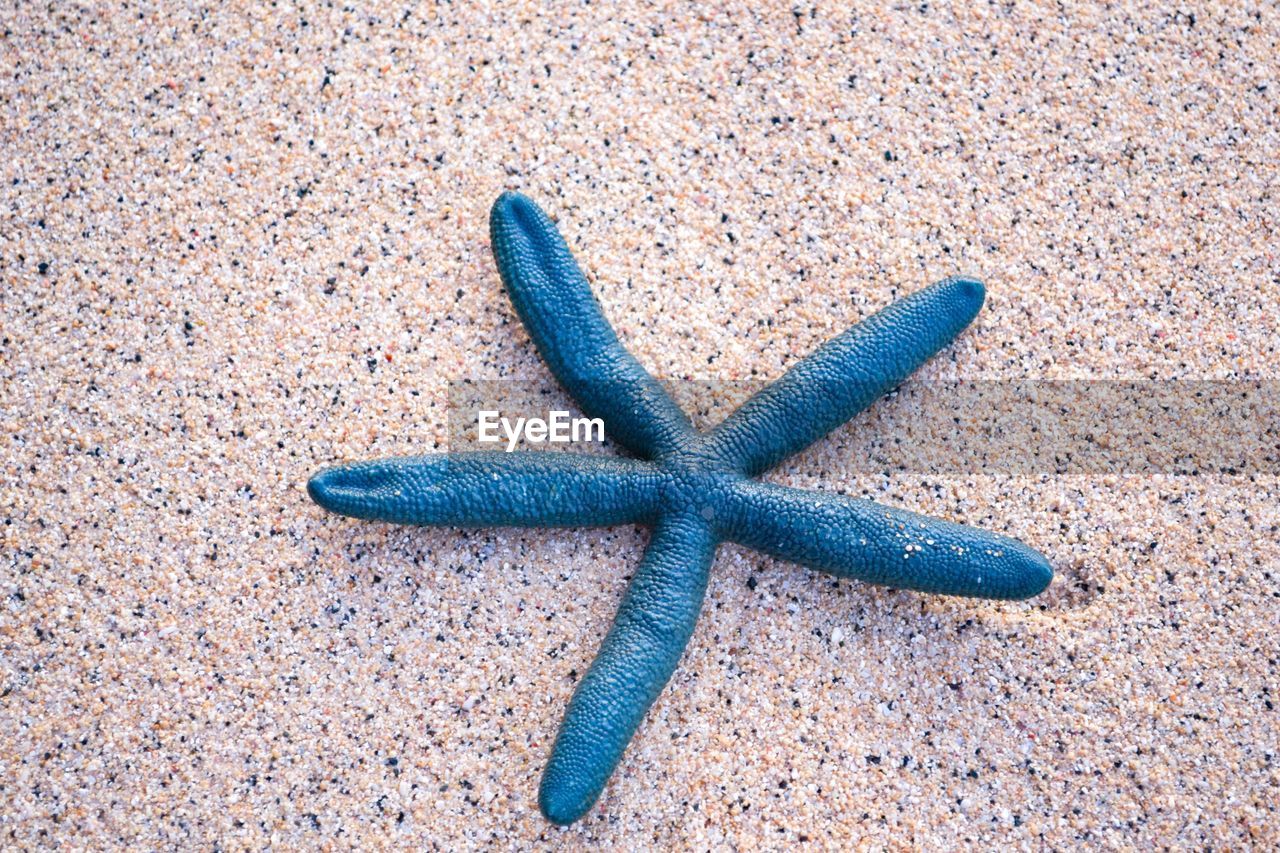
{"x":238,"y":243}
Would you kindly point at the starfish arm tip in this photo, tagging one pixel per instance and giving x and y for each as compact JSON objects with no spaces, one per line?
{"x":511,"y":203}
{"x":559,"y":805}
{"x":1032,"y":574}
{"x":316,"y":488}
{"x":970,"y":293}
{"x":336,"y":489}
{"x":968,"y":285}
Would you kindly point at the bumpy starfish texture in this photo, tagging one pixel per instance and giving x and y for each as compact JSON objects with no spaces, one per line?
{"x":694,"y":489}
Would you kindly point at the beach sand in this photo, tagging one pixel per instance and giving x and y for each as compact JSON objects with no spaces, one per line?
{"x":241,"y":243}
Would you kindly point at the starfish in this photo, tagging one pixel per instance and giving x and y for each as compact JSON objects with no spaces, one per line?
{"x":694,"y":489}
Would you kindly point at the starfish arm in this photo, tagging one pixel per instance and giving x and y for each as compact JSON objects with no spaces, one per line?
{"x":844,"y":376}
{"x":879,"y":544}
{"x":563,"y":318}
{"x":635,"y":661}
{"x":493,"y":490}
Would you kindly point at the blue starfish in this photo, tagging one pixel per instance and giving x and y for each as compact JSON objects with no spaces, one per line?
{"x":695,"y":489}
